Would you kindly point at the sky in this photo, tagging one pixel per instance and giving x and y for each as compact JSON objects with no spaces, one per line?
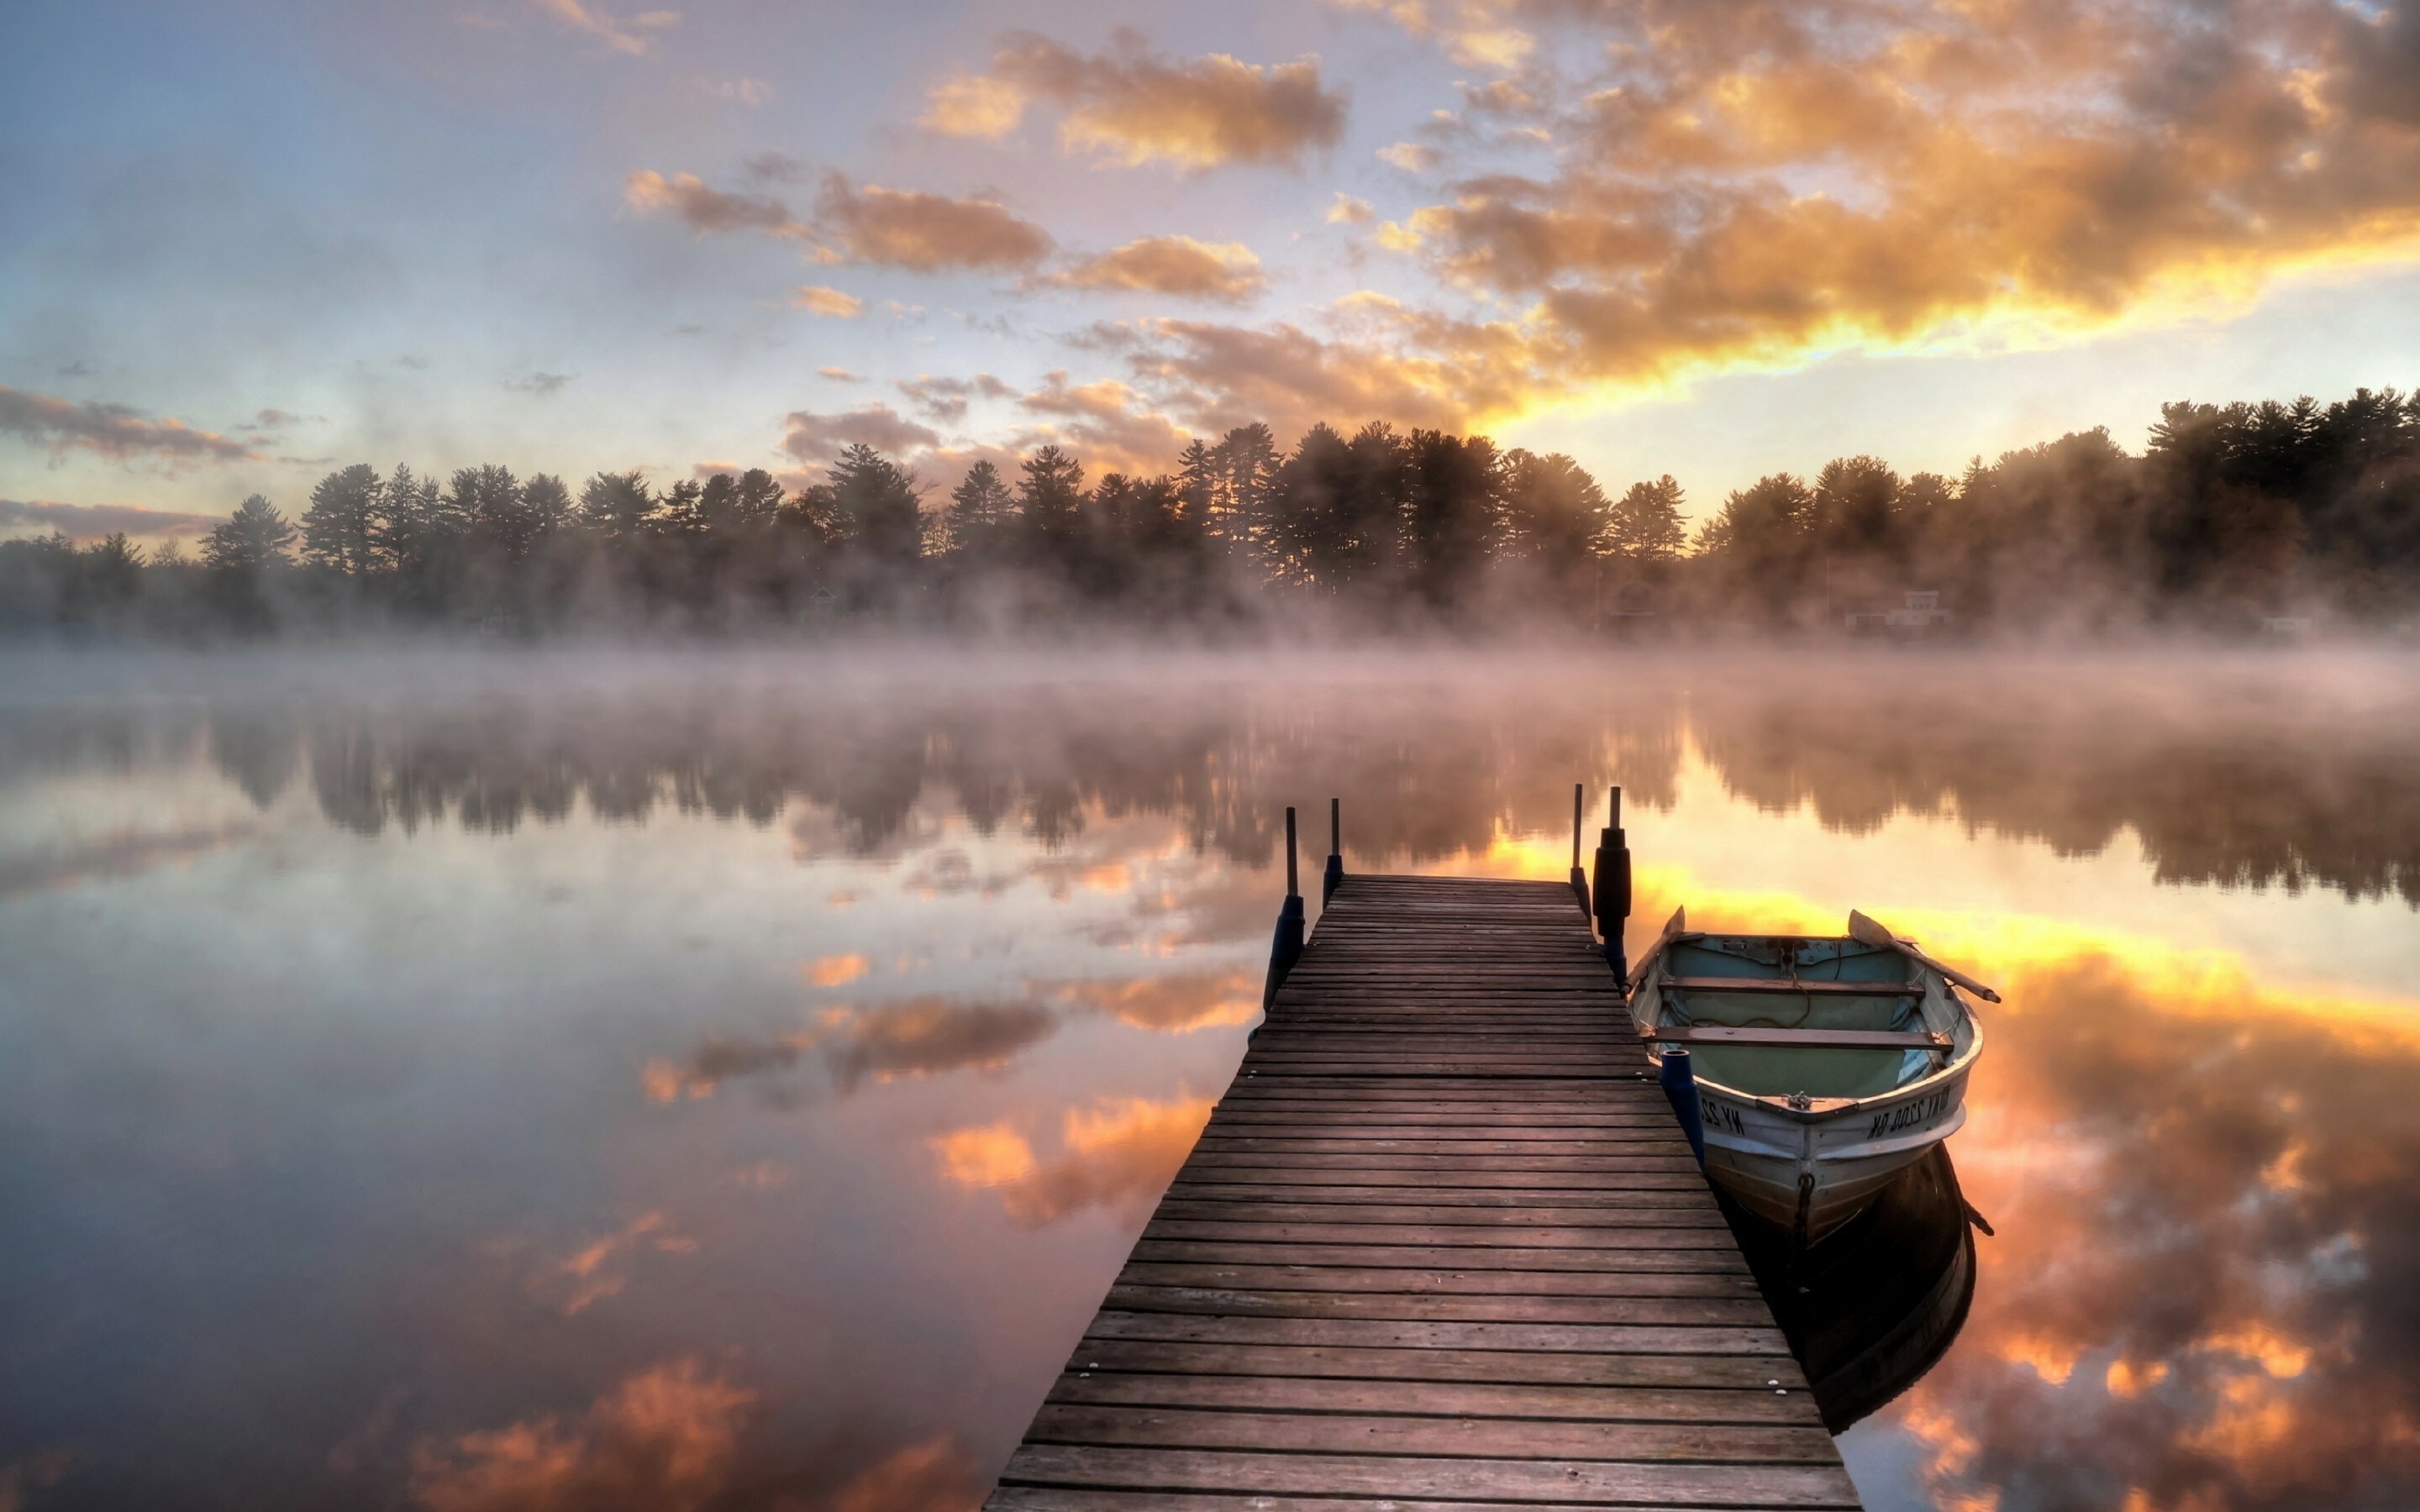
{"x":249,"y":241}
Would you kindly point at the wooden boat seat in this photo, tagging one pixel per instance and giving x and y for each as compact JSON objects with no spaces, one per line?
{"x":1782,"y":984}
{"x":1796,"y":1039}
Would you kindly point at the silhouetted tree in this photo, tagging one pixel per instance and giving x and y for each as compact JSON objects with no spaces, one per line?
{"x":1645,"y":526}
{"x":979,"y":513}
{"x":340,"y":530}
{"x":1050,"y":498}
{"x":254,"y":539}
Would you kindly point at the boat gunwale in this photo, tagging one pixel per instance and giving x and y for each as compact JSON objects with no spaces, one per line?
{"x":1824,"y":1109}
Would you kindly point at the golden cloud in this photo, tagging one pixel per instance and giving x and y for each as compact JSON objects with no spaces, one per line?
{"x":909,"y":228}
{"x":1173,"y":1003}
{"x":1131,"y":107}
{"x":1764,"y":182}
{"x":916,"y":1037}
{"x":890,"y":228}
{"x":834,"y":970}
{"x":1751,"y":186}
{"x":705,"y":210}
{"x":934,"y":1475}
{"x":111,"y":430}
{"x":1348,"y":210}
{"x":1120,"y":1153}
{"x":1224,"y":272}
{"x":631,"y":37}
{"x":818,"y":299}
{"x":665,"y":1438}
{"x":599,"y":1268}
{"x":1115,"y":427}
{"x":818,"y":438}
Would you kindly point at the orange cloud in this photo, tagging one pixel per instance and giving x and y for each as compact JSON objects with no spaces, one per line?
{"x":836,"y":970}
{"x":918,"y":1037}
{"x":665,"y":1438}
{"x":1116,"y":428}
{"x":819,"y":438}
{"x":707,"y":210}
{"x":633,"y":37}
{"x":111,"y":430}
{"x":1120,"y":1153}
{"x":600,"y":1269}
{"x":890,"y":228}
{"x":1748,"y":187}
{"x":1175,"y":1004}
{"x":909,"y":228}
{"x":936,"y":1475}
{"x":818,"y":299}
{"x":1224,"y":272}
{"x":1131,"y":107}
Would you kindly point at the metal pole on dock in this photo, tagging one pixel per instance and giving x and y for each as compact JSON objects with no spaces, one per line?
{"x":1287,"y":947}
{"x":1579,"y":875}
{"x":1335,"y":872}
{"x":1680,"y":1081}
{"x":1613,"y":887}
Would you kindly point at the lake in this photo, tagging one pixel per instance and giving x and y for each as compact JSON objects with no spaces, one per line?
{"x":476,"y":1080}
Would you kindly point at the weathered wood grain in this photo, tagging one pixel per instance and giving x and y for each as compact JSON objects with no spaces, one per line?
{"x":1440,"y":1248}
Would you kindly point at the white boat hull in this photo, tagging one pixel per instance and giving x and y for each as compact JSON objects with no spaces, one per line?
{"x":1762,"y":1155}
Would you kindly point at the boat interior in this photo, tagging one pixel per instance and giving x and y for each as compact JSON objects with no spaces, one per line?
{"x":1865,"y":1006}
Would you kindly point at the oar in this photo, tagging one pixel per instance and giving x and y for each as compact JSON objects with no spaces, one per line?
{"x":1874,"y":933}
{"x":1674,"y":927}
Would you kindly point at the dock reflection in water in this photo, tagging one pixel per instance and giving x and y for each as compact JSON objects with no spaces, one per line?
{"x":728,"y":1083}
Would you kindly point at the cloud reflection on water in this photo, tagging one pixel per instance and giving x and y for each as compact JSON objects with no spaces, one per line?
{"x":808,"y":1198}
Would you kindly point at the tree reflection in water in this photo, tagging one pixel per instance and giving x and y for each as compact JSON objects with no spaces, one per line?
{"x":2198,"y":1160}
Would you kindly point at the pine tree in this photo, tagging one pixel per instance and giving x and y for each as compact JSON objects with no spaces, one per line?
{"x":1645,"y":524}
{"x":340,"y":529}
{"x":1050,"y":497}
{"x":979,"y":513}
{"x":254,"y":539}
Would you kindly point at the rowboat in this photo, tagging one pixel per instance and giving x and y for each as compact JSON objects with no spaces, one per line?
{"x":1824,"y":1066}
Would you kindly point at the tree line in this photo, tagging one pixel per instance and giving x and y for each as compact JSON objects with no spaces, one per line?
{"x":2229,"y":515}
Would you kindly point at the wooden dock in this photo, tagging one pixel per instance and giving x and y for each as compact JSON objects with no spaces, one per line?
{"x":1441,"y":1246}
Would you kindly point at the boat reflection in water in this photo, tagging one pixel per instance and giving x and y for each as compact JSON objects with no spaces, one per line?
{"x":1872,"y":1307}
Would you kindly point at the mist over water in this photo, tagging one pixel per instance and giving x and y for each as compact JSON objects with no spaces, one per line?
{"x":574,"y":1079}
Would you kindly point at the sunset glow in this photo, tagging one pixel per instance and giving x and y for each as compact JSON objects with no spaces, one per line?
{"x":253,"y":244}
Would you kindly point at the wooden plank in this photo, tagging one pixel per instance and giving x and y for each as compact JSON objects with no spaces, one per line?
{"x":1770,"y":1375}
{"x":1679,"y":1196}
{"x":1276,"y":1223}
{"x":1534,"y":1306}
{"x":1442,"y":1224}
{"x":1413,"y":1333}
{"x":1081,"y":1499}
{"x":1676,"y":1249}
{"x":1441,"y":1278}
{"x":1356,"y":1434}
{"x":1534,"y":1481}
{"x":1273,"y":1380}
{"x":1440,"y":1248}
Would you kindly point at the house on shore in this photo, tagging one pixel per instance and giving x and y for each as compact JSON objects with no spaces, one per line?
{"x":1918,"y":613}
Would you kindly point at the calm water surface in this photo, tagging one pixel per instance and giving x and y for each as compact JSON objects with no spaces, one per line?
{"x":558,"y":1081}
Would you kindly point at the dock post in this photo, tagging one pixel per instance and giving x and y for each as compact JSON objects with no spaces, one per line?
{"x":1580,"y":875}
{"x":1335,"y":872}
{"x":1680,"y":1079}
{"x":1613,"y":889}
{"x":1287,"y":947}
